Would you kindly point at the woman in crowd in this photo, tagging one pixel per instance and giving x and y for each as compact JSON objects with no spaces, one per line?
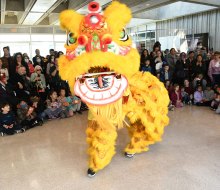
{"x":3,"y":70}
{"x":51,"y":63}
{"x":39,"y":83}
{"x":144,"y":56}
{"x":172,"y":59}
{"x":21,"y":83}
{"x":199,"y":67}
{"x":214,"y":69}
{"x":190,"y":62}
{"x":29,"y":64}
{"x":181,"y":70}
{"x":159,"y":61}
{"x":18,"y":62}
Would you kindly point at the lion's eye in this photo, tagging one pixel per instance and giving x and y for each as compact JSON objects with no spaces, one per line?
{"x":123,"y":36}
{"x":71,"y":39}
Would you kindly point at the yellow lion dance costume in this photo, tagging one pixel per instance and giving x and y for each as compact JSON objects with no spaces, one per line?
{"x":102,"y":68}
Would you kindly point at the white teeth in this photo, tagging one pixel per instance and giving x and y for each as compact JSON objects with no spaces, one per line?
{"x":92,"y":94}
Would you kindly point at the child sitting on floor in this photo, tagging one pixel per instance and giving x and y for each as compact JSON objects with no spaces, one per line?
{"x":216,"y":102}
{"x":66,"y":102}
{"x":188,"y":90}
{"x":27,"y":116}
{"x":199,"y":99}
{"x":8,"y":124}
{"x":54,"y":107}
{"x":76,"y":101}
{"x":185,"y":96}
{"x":176,"y":97}
{"x":209,"y":94}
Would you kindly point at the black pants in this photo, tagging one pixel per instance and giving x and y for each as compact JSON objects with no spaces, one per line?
{"x":12,"y":130}
{"x":216,"y":79}
{"x":208,"y":103}
{"x":28,"y":124}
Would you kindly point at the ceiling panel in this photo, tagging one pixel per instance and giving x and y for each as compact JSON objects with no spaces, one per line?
{"x":174,"y":10}
{"x":32,"y":18}
{"x":42,"y":5}
{"x":46,"y":11}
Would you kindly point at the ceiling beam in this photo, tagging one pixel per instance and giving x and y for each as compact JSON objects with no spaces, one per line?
{"x":76,"y":5}
{"x":27,"y":10}
{"x":154,"y":6}
{"x":3,"y":7}
{"x":50,"y":10}
{"x":215,"y":3}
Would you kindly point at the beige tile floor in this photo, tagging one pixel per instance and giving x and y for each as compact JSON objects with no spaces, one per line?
{"x":53,"y":157}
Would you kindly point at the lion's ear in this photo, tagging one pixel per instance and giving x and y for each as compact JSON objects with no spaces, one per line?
{"x":117,"y":17}
{"x":70,"y":20}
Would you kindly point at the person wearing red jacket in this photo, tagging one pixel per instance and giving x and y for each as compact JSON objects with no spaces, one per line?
{"x":176,"y":97}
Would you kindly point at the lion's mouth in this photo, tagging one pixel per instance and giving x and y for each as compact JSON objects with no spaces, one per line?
{"x":100,"y":86}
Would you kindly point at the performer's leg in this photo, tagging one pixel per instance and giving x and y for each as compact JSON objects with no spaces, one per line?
{"x":101,"y":143}
{"x":140,"y":139}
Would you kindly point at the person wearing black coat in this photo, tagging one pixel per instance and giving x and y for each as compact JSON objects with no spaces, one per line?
{"x":21,"y":84}
{"x":6,"y":93}
{"x":181,"y":70}
{"x":199,"y":67}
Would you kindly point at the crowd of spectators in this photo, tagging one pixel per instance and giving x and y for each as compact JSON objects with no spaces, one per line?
{"x":192,"y":78}
{"x":31,"y":92}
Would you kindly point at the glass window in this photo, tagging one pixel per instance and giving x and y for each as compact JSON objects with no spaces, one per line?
{"x":43,"y":47}
{"x":42,"y":37}
{"x":14,"y":37}
{"x":141,"y":36}
{"x":60,"y":38}
{"x":16,"y":47}
{"x":60,"y":47}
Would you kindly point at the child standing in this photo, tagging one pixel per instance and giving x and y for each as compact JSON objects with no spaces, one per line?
{"x":8,"y":125}
{"x":176,"y":97}
{"x":54,"y":107}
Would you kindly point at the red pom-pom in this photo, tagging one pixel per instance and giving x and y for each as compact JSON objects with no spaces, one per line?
{"x":83,"y":40}
{"x":107,"y":39}
{"x":93,"y":6}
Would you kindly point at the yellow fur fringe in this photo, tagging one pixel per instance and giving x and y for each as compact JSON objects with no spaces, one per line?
{"x":101,"y":144}
{"x":147,"y":110}
{"x":117,"y":17}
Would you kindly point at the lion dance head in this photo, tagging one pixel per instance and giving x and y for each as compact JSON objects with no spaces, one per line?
{"x":99,"y":56}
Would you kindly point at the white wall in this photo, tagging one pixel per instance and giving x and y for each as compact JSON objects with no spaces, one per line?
{"x":207,"y":22}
